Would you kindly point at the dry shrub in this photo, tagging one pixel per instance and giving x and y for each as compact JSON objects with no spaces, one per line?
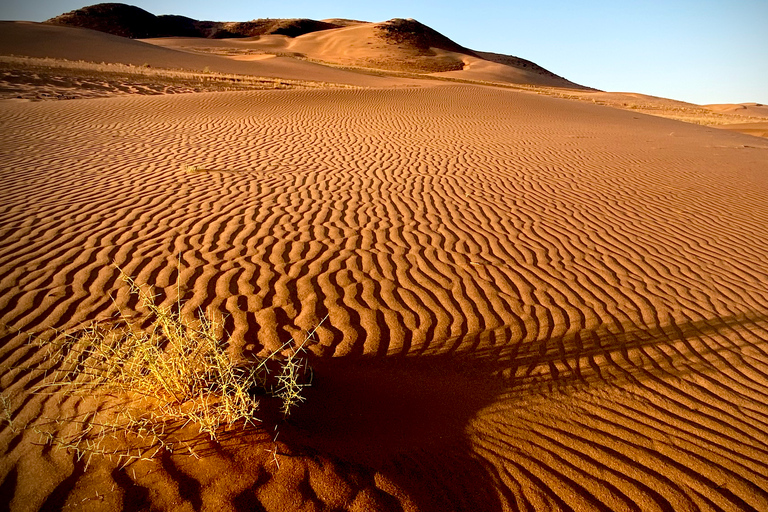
{"x":174,"y":373}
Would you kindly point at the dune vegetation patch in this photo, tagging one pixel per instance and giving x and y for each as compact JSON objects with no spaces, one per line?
{"x":158,"y":374}
{"x":43,"y":79}
{"x":192,"y":169}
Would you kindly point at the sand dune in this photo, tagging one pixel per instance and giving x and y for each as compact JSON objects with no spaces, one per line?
{"x":533,"y":303}
{"x":41,"y":40}
{"x":396,"y":45}
{"x":134,"y":22}
{"x":484,"y":70}
{"x":359,"y":45}
{"x":378,"y":45}
{"x":747,"y":120}
{"x":402,"y":45}
{"x":743,"y":109}
{"x":754,"y":117}
{"x":758,"y":129}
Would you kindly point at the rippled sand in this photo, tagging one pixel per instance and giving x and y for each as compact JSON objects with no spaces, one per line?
{"x":534,"y":303}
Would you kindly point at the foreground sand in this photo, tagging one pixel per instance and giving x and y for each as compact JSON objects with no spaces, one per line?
{"x":534,"y":303}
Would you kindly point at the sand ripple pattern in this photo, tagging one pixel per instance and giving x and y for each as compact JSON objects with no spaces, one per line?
{"x":572,"y":299}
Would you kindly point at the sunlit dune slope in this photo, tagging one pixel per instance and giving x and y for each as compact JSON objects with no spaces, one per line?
{"x":758,"y":129}
{"x":742,"y":109}
{"x":43,"y":40}
{"x":755,"y":117}
{"x":491,"y":67}
{"x":398,"y":45}
{"x":394,"y":45}
{"x":401,"y":45}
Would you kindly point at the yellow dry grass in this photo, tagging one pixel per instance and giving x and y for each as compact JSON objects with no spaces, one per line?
{"x":46,"y":78}
{"x":174,"y":373}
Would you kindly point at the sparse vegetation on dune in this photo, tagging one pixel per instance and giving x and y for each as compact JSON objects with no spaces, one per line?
{"x":46,"y":78}
{"x":167,"y":373}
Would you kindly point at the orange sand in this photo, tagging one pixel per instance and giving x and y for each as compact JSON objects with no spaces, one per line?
{"x":534,"y":303}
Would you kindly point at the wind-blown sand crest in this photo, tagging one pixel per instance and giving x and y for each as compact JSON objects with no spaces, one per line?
{"x":532,"y":303}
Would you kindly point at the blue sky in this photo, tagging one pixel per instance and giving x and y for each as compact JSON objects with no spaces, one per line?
{"x":704,"y":51}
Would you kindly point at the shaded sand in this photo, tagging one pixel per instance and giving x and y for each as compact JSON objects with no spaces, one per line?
{"x":534,"y":303}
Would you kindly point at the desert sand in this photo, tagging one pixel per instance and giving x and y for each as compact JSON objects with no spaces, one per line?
{"x":40,"y":40}
{"x":533,"y":302}
{"x":755,"y":117}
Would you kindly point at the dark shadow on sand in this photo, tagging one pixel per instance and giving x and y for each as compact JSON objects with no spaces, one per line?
{"x":413,"y":419}
{"x":408,"y":417}
{"x":404,"y":418}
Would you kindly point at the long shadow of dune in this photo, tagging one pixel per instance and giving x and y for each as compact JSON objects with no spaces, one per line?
{"x":409,"y":417}
{"x":405,"y":419}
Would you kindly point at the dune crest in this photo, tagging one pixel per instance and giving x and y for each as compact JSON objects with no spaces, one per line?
{"x":133,"y":22}
{"x":50,"y":41}
{"x":744,"y":109}
{"x":395,"y":45}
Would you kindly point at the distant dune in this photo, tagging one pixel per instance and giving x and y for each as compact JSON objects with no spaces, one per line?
{"x":395,"y":53}
{"x":755,"y":117}
{"x":758,"y":129}
{"x":742,"y":109}
{"x":134,"y":22}
{"x":402,"y":45}
{"x":41,"y":40}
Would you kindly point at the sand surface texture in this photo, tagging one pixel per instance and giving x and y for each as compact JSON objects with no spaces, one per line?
{"x":533,"y":303}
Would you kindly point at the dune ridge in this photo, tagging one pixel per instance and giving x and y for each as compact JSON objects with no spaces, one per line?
{"x":533,"y":303}
{"x":49,"y":41}
{"x":394,"y":45}
{"x":134,"y":22}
